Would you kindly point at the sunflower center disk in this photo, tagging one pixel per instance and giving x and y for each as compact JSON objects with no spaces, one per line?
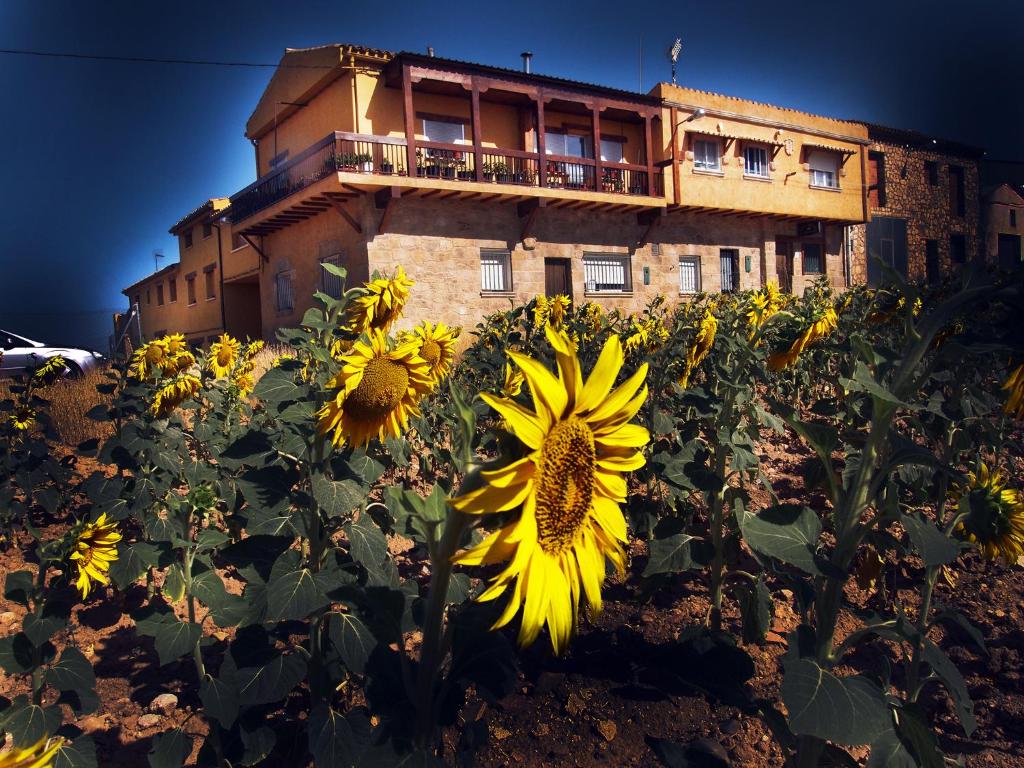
{"x":566,"y":487}
{"x":384,"y":384}
{"x":431,"y":352}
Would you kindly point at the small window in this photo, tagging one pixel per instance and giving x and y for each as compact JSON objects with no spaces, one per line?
{"x":931,"y":173}
{"x":569,"y":144}
{"x":172,"y":290}
{"x":444,"y":131}
{"x":755,"y":162}
{"x":689,"y":274}
{"x":613,"y":150}
{"x":824,"y":169}
{"x":1013,"y":217}
{"x":329,"y":282}
{"x":207,"y":229}
{"x":812,"y":262}
{"x":138,"y":299}
{"x":956,"y":190}
{"x":706,"y":156}
{"x":209,"y":277}
{"x":876,"y":179}
{"x":607,"y":274}
{"x":160,"y":294}
{"x":730,"y":265}
{"x":495,"y":271}
{"x":187,"y":237}
{"x":149,"y":297}
{"x":190,"y":284}
{"x":237,"y":241}
{"x":285,"y":295}
{"x":958,"y":249}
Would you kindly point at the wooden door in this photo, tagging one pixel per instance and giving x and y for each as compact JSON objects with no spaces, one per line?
{"x":557,"y":277}
{"x":784,"y":264}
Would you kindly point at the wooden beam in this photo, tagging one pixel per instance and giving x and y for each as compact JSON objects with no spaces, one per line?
{"x":385,"y":218}
{"x":595,"y":116}
{"x":478,"y":153}
{"x":340,"y":208}
{"x":255,"y":247}
{"x":542,"y":165}
{"x":649,"y":152}
{"x":410,"y":117}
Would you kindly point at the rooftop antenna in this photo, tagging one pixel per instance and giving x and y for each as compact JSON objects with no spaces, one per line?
{"x":157,"y":255}
{"x":673,"y":56}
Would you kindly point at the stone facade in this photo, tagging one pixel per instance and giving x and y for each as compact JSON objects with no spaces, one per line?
{"x":1003,"y":225}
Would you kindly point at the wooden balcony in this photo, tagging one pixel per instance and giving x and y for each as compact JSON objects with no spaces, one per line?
{"x":382,"y":161}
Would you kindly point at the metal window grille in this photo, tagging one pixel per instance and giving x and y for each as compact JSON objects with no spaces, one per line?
{"x":285,"y":297}
{"x":331,"y":283}
{"x":495,"y":270}
{"x":755,"y":161}
{"x":812,"y":258}
{"x":607,"y":274}
{"x":730,"y":270}
{"x":689,"y":274}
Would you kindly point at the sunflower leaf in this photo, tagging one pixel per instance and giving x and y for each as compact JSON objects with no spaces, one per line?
{"x":932,"y":544}
{"x":337,"y":497}
{"x":170,"y":749}
{"x":173,"y":639}
{"x":80,"y":753}
{"x":669,"y":555}
{"x":293,"y":595}
{"x":954,"y":682}
{"x":787,"y":532}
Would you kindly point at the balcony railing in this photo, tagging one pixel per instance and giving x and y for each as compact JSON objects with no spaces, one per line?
{"x":387,"y":156}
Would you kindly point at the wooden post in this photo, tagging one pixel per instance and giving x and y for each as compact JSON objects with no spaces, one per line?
{"x":410,"y":121}
{"x":542,"y":165}
{"x":596,"y":117}
{"x":478,"y":160}
{"x":649,"y":149}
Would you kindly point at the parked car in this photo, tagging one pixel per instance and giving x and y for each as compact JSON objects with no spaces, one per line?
{"x":21,"y":355}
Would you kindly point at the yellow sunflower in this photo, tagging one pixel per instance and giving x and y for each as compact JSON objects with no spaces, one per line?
{"x":94,"y":551}
{"x":147,"y":358}
{"x":223,"y":355}
{"x":820,"y":328}
{"x":175,"y":344}
{"x":647,"y":335}
{"x":42,"y":754}
{"x":23,"y":418}
{"x":702,"y":344}
{"x":174,"y":393}
{"x":541,"y":311}
{"x":569,"y":487}
{"x":995,"y":514}
{"x":436,"y":346}
{"x":513,"y":381}
{"x":177,"y":363}
{"x":381,"y":303}
{"x":763,"y":304}
{"x":378,"y":389}
{"x":1015,"y":386}
{"x":51,"y":370}
{"x":558,"y":308}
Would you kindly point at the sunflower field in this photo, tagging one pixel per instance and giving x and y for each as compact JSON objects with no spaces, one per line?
{"x":377,"y":550}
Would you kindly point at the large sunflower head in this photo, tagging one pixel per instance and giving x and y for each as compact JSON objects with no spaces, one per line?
{"x":381,"y":303}
{"x":377,"y":390}
{"x":579,"y":442}
{"x":223,"y":355}
{"x":994,"y":514}
{"x":436,"y":346}
{"x":94,"y":550}
{"x":558,"y":308}
{"x":703,"y":341}
{"x":173,"y":393}
{"x":178,"y":363}
{"x":823,"y":326}
{"x":175,"y":344}
{"x":1015,"y":387}
{"x":22,"y":418}
{"x":147,"y":358}
{"x":541,"y":311}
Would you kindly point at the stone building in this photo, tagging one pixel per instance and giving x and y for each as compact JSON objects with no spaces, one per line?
{"x":1003,"y":225}
{"x":924,"y":203}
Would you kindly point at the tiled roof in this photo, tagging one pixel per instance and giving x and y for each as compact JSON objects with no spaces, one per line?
{"x":803,"y":112}
{"x":213,"y":205}
{"x":155,"y":275}
{"x":913,"y":138}
{"x":377,"y":53}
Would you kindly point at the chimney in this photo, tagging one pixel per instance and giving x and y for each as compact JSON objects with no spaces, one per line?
{"x":526,"y":61}
{"x":430,"y":51}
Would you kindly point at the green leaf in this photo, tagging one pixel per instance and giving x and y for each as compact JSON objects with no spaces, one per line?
{"x":226,"y":609}
{"x":787,"y":532}
{"x":756,"y":608}
{"x":415,"y":516}
{"x":888,"y":752}
{"x":864,"y":381}
{"x":330,"y":739}
{"x":669,"y":555}
{"x":28,"y":723}
{"x":19,"y":586}
{"x":935,"y":547}
{"x":277,"y":386}
{"x":955,"y":617}
{"x":173,"y":639}
{"x":954,"y":682}
{"x":334,"y":269}
{"x":272,"y":681}
{"x":174,"y":584}
{"x":268,"y":489}
{"x":133,"y":560}
{"x":293,"y":595}
{"x":39,"y":629}
{"x":917,"y":737}
{"x":367,"y":544}
{"x":337,"y":498}
{"x":16,"y":654}
{"x":170,"y":749}
{"x":71,"y":672}
{"x":845,"y":710}
{"x":80,"y":753}
{"x":220,"y":701}
{"x":365,"y":467}
{"x":353,"y":639}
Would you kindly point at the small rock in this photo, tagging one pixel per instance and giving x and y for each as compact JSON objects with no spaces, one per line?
{"x":775,"y":637}
{"x":710,"y":748}
{"x":607,"y":729}
{"x":647,"y":617}
{"x":542,"y":729}
{"x":148,"y":721}
{"x":500,"y":732}
{"x":730,"y":727}
{"x":574,"y":704}
{"x":787,"y":594}
{"x":165,"y":703}
{"x":999,"y":613}
{"x":8,"y":617}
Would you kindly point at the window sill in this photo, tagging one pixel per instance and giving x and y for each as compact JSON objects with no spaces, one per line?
{"x":210,"y":298}
{"x":192,"y":303}
{"x":688,"y":294}
{"x":497,"y":295}
{"x":752,"y":177}
{"x":607,"y":294}
{"x":703,"y":172}
{"x":824,"y":189}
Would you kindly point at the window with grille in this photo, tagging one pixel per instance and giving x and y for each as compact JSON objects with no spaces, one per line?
{"x":331,"y":283}
{"x":755,"y":162}
{"x":689,"y":274}
{"x":730,"y":263}
{"x":824,"y":169}
{"x":160,"y":294}
{"x":208,"y":275}
{"x":495,"y":270}
{"x":190,"y":283}
{"x":812,"y":262}
{"x":285,"y":294}
{"x":172,"y":289}
{"x":607,"y":273}
{"x":706,"y":156}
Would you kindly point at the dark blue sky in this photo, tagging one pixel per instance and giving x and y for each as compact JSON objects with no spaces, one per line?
{"x":101,"y":158}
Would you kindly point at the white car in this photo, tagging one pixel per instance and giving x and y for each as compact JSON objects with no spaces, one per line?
{"x":21,"y":355}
